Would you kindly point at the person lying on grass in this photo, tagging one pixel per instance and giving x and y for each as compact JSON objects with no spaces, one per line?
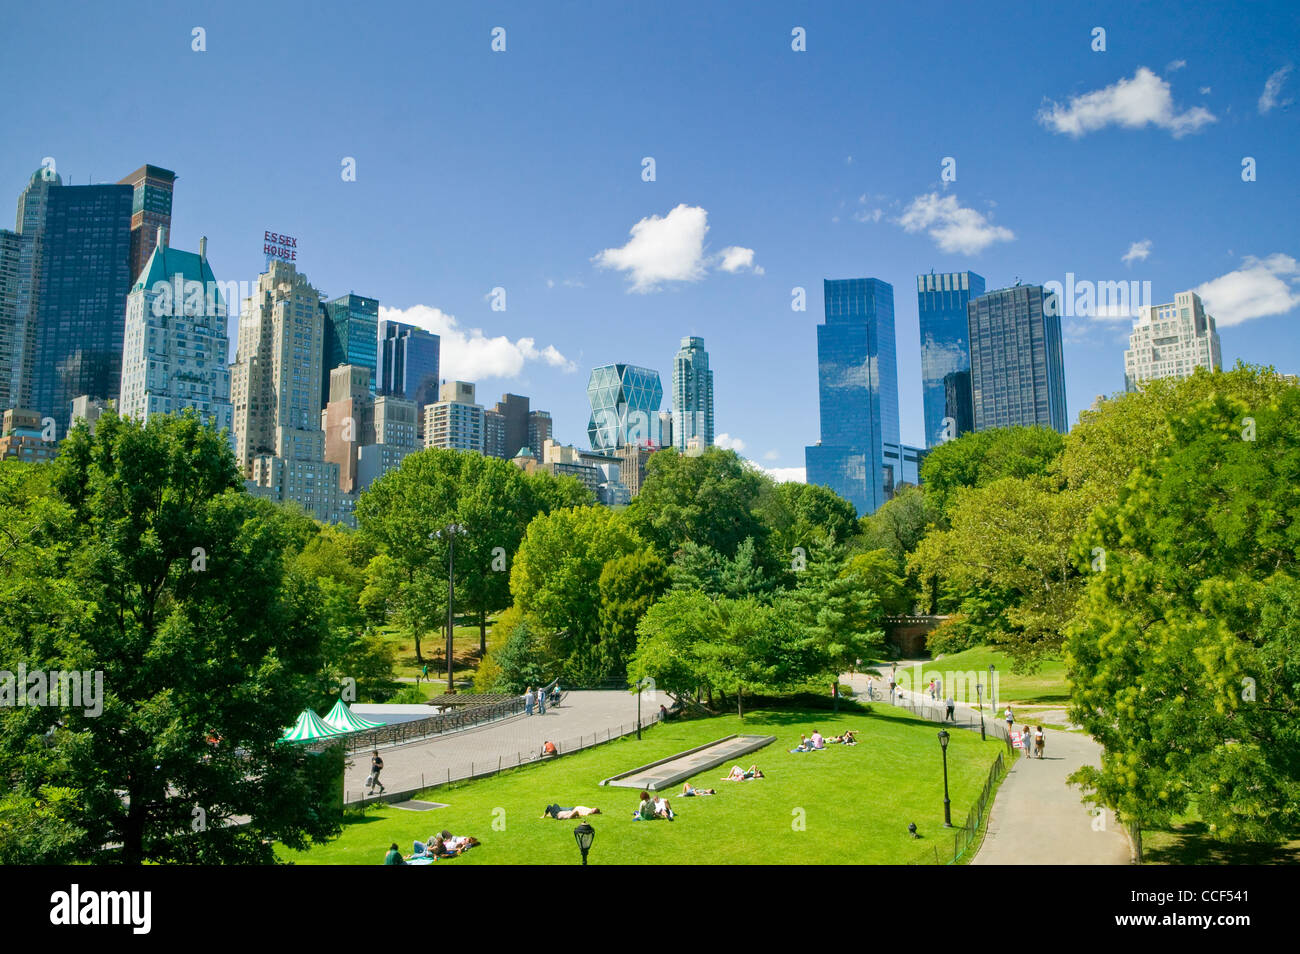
{"x":848,"y":738}
{"x":443,"y":845}
{"x":737,"y":774}
{"x":563,"y":814}
{"x":688,"y":790}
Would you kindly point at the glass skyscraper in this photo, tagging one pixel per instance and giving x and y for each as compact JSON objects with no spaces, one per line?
{"x":81,"y":274}
{"x":945,"y":352}
{"x":857,"y":372}
{"x":692,"y":395}
{"x":1017,"y":373}
{"x":624,"y":406}
{"x":351,"y":337}
{"x":407,"y":363}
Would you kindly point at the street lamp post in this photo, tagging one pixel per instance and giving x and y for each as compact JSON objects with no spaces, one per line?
{"x":947,"y":805}
{"x":451,"y":532}
{"x":584,"y":834}
{"x":993,"y":692}
{"x":638,"y":709}
{"x":979,"y":697}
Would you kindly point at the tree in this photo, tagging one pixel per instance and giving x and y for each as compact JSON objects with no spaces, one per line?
{"x":839,"y":613}
{"x":174,"y":589}
{"x":1184,"y":660}
{"x":708,"y":500}
{"x":556,"y":579}
{"x":520,"y":660}
{"x":981,"y":457}
{"x":668,"y":639}
{"x":628,"y":585}
{"x":797,"y":514}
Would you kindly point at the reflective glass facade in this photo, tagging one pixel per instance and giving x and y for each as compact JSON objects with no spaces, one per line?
{"x":82,"y":276}
{"x":407,"y":363}
{"x":857,"y":371}
{"x":1017,"y":373}
{"x":692,"y":395}
{"x":945,"y":352}
{"x":351,"y":336}
{"x":624,"y":406}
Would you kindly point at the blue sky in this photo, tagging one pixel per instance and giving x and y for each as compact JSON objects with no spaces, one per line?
{"x":522,"y":169}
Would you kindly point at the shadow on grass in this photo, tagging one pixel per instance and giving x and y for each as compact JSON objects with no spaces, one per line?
{"x":1191,"y":844}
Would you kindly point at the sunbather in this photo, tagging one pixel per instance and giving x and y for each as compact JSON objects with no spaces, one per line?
{"x":564,"y":814}
{"x":688,"y":790}
{"x":663,"y":809}
{"x":805,"y":745}
{"x":737,"y":774}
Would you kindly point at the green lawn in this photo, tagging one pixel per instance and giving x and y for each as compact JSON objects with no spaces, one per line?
{"x":432,"y":646}
{"x":854,"y":803}
{"x":1188,"y":842}
{"x":1047,"y":685}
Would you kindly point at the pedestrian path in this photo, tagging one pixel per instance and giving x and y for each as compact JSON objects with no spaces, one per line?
{"x":582,"y":719}
{"x":1038,"y":817}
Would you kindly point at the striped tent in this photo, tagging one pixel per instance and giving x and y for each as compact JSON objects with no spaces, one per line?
{"x":310,"y":728}
{"x":345,"y":720}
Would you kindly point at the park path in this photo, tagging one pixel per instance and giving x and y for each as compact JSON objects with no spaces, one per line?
{"x":1037,"y":816}
{"x":581,"y":715}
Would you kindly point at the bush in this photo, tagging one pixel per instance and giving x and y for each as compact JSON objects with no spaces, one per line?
{"x":953,"y":635}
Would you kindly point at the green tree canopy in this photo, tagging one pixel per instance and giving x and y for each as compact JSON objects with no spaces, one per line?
{"x":981,"y":457}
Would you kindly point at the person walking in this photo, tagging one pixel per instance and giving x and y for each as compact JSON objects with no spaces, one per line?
{"x":871,"y":690}
{"x":1010,"y":719}
{"x":541,"y":701}
{"x":376,"y":766}
{"x":1038,"y":741}
{"x":528,"y":701}
{"x":952,"y":707}
{"x":931,"y":690}
{"x":1027,"y":741}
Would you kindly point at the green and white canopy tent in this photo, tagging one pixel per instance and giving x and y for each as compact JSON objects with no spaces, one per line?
{"x":310,"y":728}
{"x":344,"y":719}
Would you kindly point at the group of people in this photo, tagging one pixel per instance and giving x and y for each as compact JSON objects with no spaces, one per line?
{"x":652,"y":808}
{"x":538,"y":697}
{"x":442,"y":845}
{"x":818,"y":741}
{"x":1032,"y":743}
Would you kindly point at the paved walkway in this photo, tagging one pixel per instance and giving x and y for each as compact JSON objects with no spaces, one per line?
{"x":579,"y":718}
{"x":1037,"y":816}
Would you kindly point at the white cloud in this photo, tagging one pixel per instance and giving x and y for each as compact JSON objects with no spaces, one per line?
{"x":1261,"y":287}
{"x":771,"y":455}
{"x":1205,"y":91}
{"x":1175,"y":65}
{"x":953,"y":227}
{"x":736,"y":259}
{"x":667,"y":249}
{"x":727,"y":442}
{"x":1143,"y":100}
{"x":782,"y":475}
{"x":1137,"y":252}
{"x":1272,"y":88}
{"x":467,"y":354}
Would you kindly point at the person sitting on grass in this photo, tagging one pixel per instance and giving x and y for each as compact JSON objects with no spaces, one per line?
{"x":646,"y":810}
{"x":456,"y":845}
{"x":737,"y":774}
{"x":394,"y":856}
{"x":803,"y":746}
{"x":818,"y":740}
{"x":564,"y":814}
{"x":663,"y":809}
{"x":689,"y":791}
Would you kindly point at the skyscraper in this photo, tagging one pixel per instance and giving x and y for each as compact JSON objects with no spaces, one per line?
{"x":16,"y":361}
{"x":1171,"y":341}
{"x":407,"y":362}
{"x":857,"y":372}
{"x":351,"y":337}
{"x":80,"y":273}
{"x":945,"y":352}
{"x":539,"y":430}
{"x":151,"y":209}
{"x":455,"y":421}
{"x":10,"y":330}
{"x":624,"y":406}
{"x":692,"y":395}
{"x":1017,"y":373}
{"x":275,"y":390}
{"x":174,"y":344}
{"x":348,"y":421}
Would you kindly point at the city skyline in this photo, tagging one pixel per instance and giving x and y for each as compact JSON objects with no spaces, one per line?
{"x":533,"y":266}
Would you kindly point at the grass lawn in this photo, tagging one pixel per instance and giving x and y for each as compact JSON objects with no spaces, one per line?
{"x":1188,"y":842}
{"x":1047,"y":685}
{"x":432,"y":646}
{"x":838,"y":806}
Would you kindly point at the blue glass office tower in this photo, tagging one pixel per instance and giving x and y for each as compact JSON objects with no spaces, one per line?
{"x":351,"y":337}
{"x":81,"y":274}
{"x":945,"y":353}
{"x":407,"y":363}
{"x":857,"y":371}
{"x":1017,"y":374}
{"x":624,"y":406}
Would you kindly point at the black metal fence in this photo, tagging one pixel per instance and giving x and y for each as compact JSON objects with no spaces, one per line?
{"x":966,"y":834}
